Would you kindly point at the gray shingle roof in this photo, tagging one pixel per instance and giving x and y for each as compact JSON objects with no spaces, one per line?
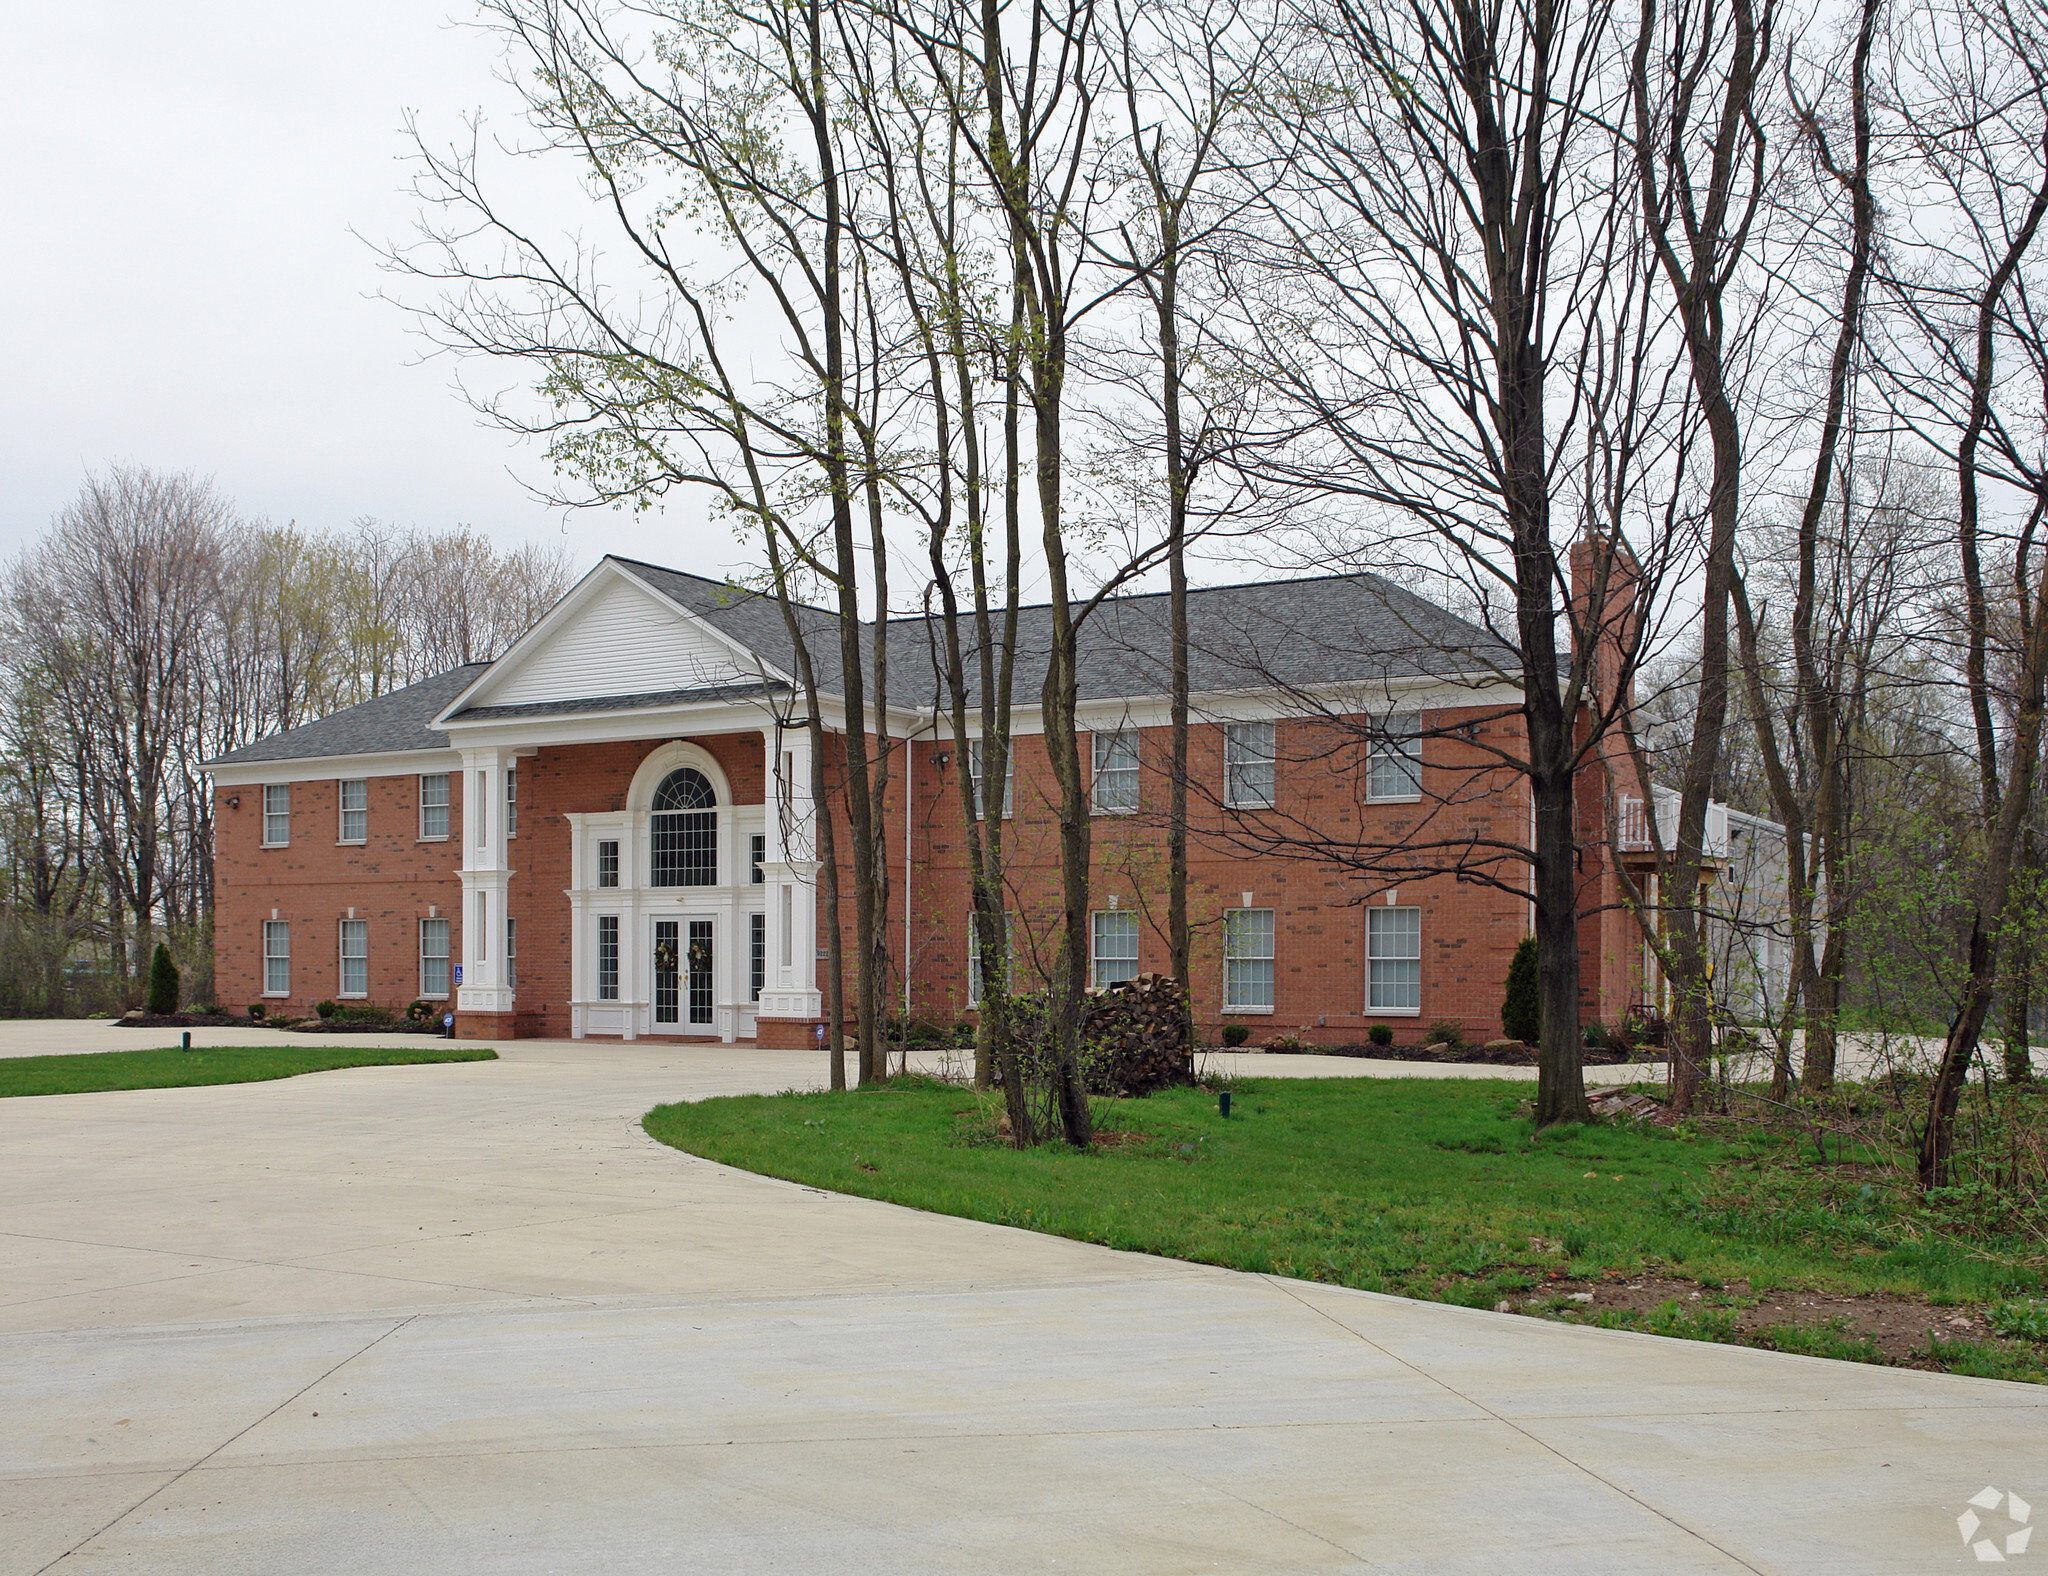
{"x":1335,"y":629}
{"x":601,"y":703}
{"x":388,"y":725}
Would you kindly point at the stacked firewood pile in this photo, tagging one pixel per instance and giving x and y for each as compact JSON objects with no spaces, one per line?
{"x":1134,"y":1037}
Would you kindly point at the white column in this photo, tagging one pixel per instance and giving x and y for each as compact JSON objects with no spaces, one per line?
{"x":486,"y":881}
{"x":790,"y":874}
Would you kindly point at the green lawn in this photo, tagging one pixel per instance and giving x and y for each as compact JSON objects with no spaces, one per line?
{"x":1424,"y":1188}
{"x":173,"y":1069}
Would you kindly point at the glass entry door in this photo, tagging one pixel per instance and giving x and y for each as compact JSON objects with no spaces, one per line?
{"x":666,"y":962}
{"x":699,"y":961}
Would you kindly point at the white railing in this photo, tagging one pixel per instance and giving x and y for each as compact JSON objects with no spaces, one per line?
{"x":1634,"y":830}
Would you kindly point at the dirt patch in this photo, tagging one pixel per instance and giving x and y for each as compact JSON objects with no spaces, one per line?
{"x":1887,"y":1327}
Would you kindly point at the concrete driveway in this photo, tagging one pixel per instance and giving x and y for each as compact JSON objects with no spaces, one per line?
{"x":469,"y":1318}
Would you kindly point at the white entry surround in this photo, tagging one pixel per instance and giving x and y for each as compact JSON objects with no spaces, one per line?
{"x":640,"y":907}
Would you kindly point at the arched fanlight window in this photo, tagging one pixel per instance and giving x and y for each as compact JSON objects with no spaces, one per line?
{"x":685,"y":830}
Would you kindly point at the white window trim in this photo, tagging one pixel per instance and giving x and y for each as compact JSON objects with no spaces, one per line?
{"x":286,"y":842}
{"x":447,"y":806}
{"x":447,"y":959}
{"x":1394,"y":1012}
{"x":341,"y":960}
{"x":1137,"y":961}
{"x":1097,"y":741}
{"x":1270,"y":762}
{"x":1235,"y":1011}
{"x":341,"y":812}
{"x":978,"y":780}
{"x":1413,"y":721}
{"x":268,"y":993}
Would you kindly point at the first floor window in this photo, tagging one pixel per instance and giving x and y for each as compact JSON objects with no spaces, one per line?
{"x":608,"y":863}
{"x":975,"y":775}
{"x":355,"y":957}
{"x":1116,"y":947}
{"x":1395,"y":769}
{"x":277,"y":957}
{"x":1393,"y":951}
{"x":511,"y":953}
{"x":757,"y":954}
{"x":1115,"y":786}
{"x":1248,"y":755}
{"x":1247,"y":959}
{"x":433,"y":804}
{"x":433,"y":957}
{"x":355,"y":810}
{"x":607,"y":957}
{"x":277,"y":814}
{"x":1005,"y":965}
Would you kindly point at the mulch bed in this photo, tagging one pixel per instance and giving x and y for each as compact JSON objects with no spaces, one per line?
{"x":222,"y":1020}
{"x":1480,"y":1055}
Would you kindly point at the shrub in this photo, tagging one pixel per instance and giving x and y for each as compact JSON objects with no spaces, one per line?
{"x":420,"y":1011}
{"x":1235,"y":1034}
{"x":367,"y":1012}
{"x":1381,"y":1034}
{"x":256,"y":1012}
{"x":163,"y":981}
{"x":1445,"y":1032}
{"x":1521,"y":1013}
{"x":326,"y":1009}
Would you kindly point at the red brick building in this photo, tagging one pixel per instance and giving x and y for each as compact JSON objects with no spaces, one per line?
{"x":609,"y":830}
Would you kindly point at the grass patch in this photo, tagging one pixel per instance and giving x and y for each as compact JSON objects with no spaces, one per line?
{"x":1439,"y":1189}
{"x":93,"y":1073}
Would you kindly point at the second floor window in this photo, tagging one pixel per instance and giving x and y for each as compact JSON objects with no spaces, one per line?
{"x":1248,"y":755}
{"x":355,"y":810}
{"x":975,"y":774}
{"x":277,"y":815}
{"x":608,"y":863}
{"x":757,"y":854}
{"x":1115,"y":789}
{"x":685,"y":830}
{"x":511,"y":801}
{"x":1395,"y":770}
{"x":433,"y":805}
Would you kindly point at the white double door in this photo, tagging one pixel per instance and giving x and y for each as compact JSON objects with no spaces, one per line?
{"x":683,"y":955}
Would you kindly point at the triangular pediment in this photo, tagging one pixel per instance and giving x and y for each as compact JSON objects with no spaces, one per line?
{"x":612,"y":635}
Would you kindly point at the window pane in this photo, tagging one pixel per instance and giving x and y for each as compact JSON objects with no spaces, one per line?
{"x":277,"y":813}
{"x":512,"y":801}
{"x":608,"y":863}
{"x":1248,"y":755}
{"x":1395,"y":771}
{"x":433,"y":957}
{"x":757,"y":853}
{"x":1115,"y":786}
{"x":355,"y":957}
{"x":757,"y":954}
{"x":1116,"y":947}
{"x":608,"y":957}
{"x":434,"y":804}
{"x":1394,"y":953}
{"x":1248,"y":957}
{"x":355,"y":810}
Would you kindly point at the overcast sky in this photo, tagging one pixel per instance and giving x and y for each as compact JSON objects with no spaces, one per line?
{"x":186,"y":292}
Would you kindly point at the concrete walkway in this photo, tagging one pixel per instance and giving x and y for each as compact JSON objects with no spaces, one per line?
{"x":468,"y":1318}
